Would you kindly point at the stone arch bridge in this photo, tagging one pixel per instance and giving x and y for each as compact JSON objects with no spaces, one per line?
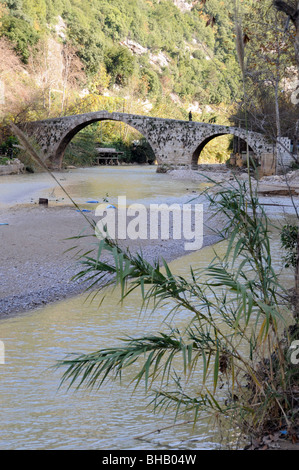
{"x":174,"y":142}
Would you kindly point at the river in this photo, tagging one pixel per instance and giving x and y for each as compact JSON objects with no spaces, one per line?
{"x":137,"y":183}
{"x":36,"y":413}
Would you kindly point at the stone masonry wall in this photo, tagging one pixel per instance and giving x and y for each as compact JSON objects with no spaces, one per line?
{"x":174,"y":142}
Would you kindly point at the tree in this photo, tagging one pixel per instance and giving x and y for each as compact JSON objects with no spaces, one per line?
{"x":120,"y":64}
{"x":21,"y":97}
{"x":46,"y":66}
{"x":100,"y":82}
{"x":291,"y":9}
{"x":269,"y":71}
{"x":73,"y":73}
{"x":15,"y":6}
{"x":21,"y":34}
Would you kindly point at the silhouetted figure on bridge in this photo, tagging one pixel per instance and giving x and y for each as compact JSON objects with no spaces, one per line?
{"x":190,"y":116}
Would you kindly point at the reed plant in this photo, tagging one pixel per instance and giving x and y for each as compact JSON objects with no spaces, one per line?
{"x":231,"y":358}
{"x":234,"y":343}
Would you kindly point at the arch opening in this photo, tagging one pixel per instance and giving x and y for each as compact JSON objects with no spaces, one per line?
{"x":130,"y":144}
{"x":223,"y":148}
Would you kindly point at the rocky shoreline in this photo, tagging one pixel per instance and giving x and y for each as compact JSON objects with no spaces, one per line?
{"x":12,"y":167}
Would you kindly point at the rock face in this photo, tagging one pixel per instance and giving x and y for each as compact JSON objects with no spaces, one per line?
{"x":13,"y":167}
{"x":183,"y":6}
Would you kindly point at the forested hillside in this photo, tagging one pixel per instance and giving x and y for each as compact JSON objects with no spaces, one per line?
{"x":158,"y":57}
{"x":164,"y":45}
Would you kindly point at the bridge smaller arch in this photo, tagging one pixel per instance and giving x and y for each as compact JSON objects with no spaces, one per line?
{"x":256,"y":142}
{"x":197,"y":153}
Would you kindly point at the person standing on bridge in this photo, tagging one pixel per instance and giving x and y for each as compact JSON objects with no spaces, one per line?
{"x":190,"y":116}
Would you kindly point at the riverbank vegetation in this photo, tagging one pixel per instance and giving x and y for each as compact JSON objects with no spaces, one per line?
{"x":270,"y":67}
{"x":158,"y":58}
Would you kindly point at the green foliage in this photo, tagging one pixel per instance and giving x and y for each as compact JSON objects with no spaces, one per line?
{"x":15,"y":7}
{"x":150,"y":83}
{"x":120,"y":64}
{"x":36,"y":11}
{"x":21,"y":34}
{"x":142,"y":152}
{"x":7,"y":146}
{"x":114,"y":22}
{"x":81,"y":151}
{"x":201,"y":59}
{"x":216,"y":151}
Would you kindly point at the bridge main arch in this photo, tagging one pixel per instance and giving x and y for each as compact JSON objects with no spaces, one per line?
{"x":75,"y":124}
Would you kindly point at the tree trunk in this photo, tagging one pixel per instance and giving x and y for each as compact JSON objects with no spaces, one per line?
{"x":296,"y":23}
{"x":296,"y":313}
{"x":297,"y":141}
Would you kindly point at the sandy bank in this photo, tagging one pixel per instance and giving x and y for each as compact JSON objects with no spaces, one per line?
{"x":279,"y":194}
{"x":266,"y":185}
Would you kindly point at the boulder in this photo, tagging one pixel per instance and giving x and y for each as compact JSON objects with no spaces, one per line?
{"x":12,"y":167}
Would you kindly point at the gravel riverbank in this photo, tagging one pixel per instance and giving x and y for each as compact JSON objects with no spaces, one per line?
{"x":36,"y":266}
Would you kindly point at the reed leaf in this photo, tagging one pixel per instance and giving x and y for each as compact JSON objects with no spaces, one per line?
{"x":230,"y":302}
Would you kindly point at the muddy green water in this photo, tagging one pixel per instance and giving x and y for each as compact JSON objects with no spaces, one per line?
{"x":137,"y":183}
{"x":35,"y":413}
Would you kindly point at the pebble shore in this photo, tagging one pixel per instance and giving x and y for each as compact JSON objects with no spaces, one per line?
{"x":36,"y":266}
